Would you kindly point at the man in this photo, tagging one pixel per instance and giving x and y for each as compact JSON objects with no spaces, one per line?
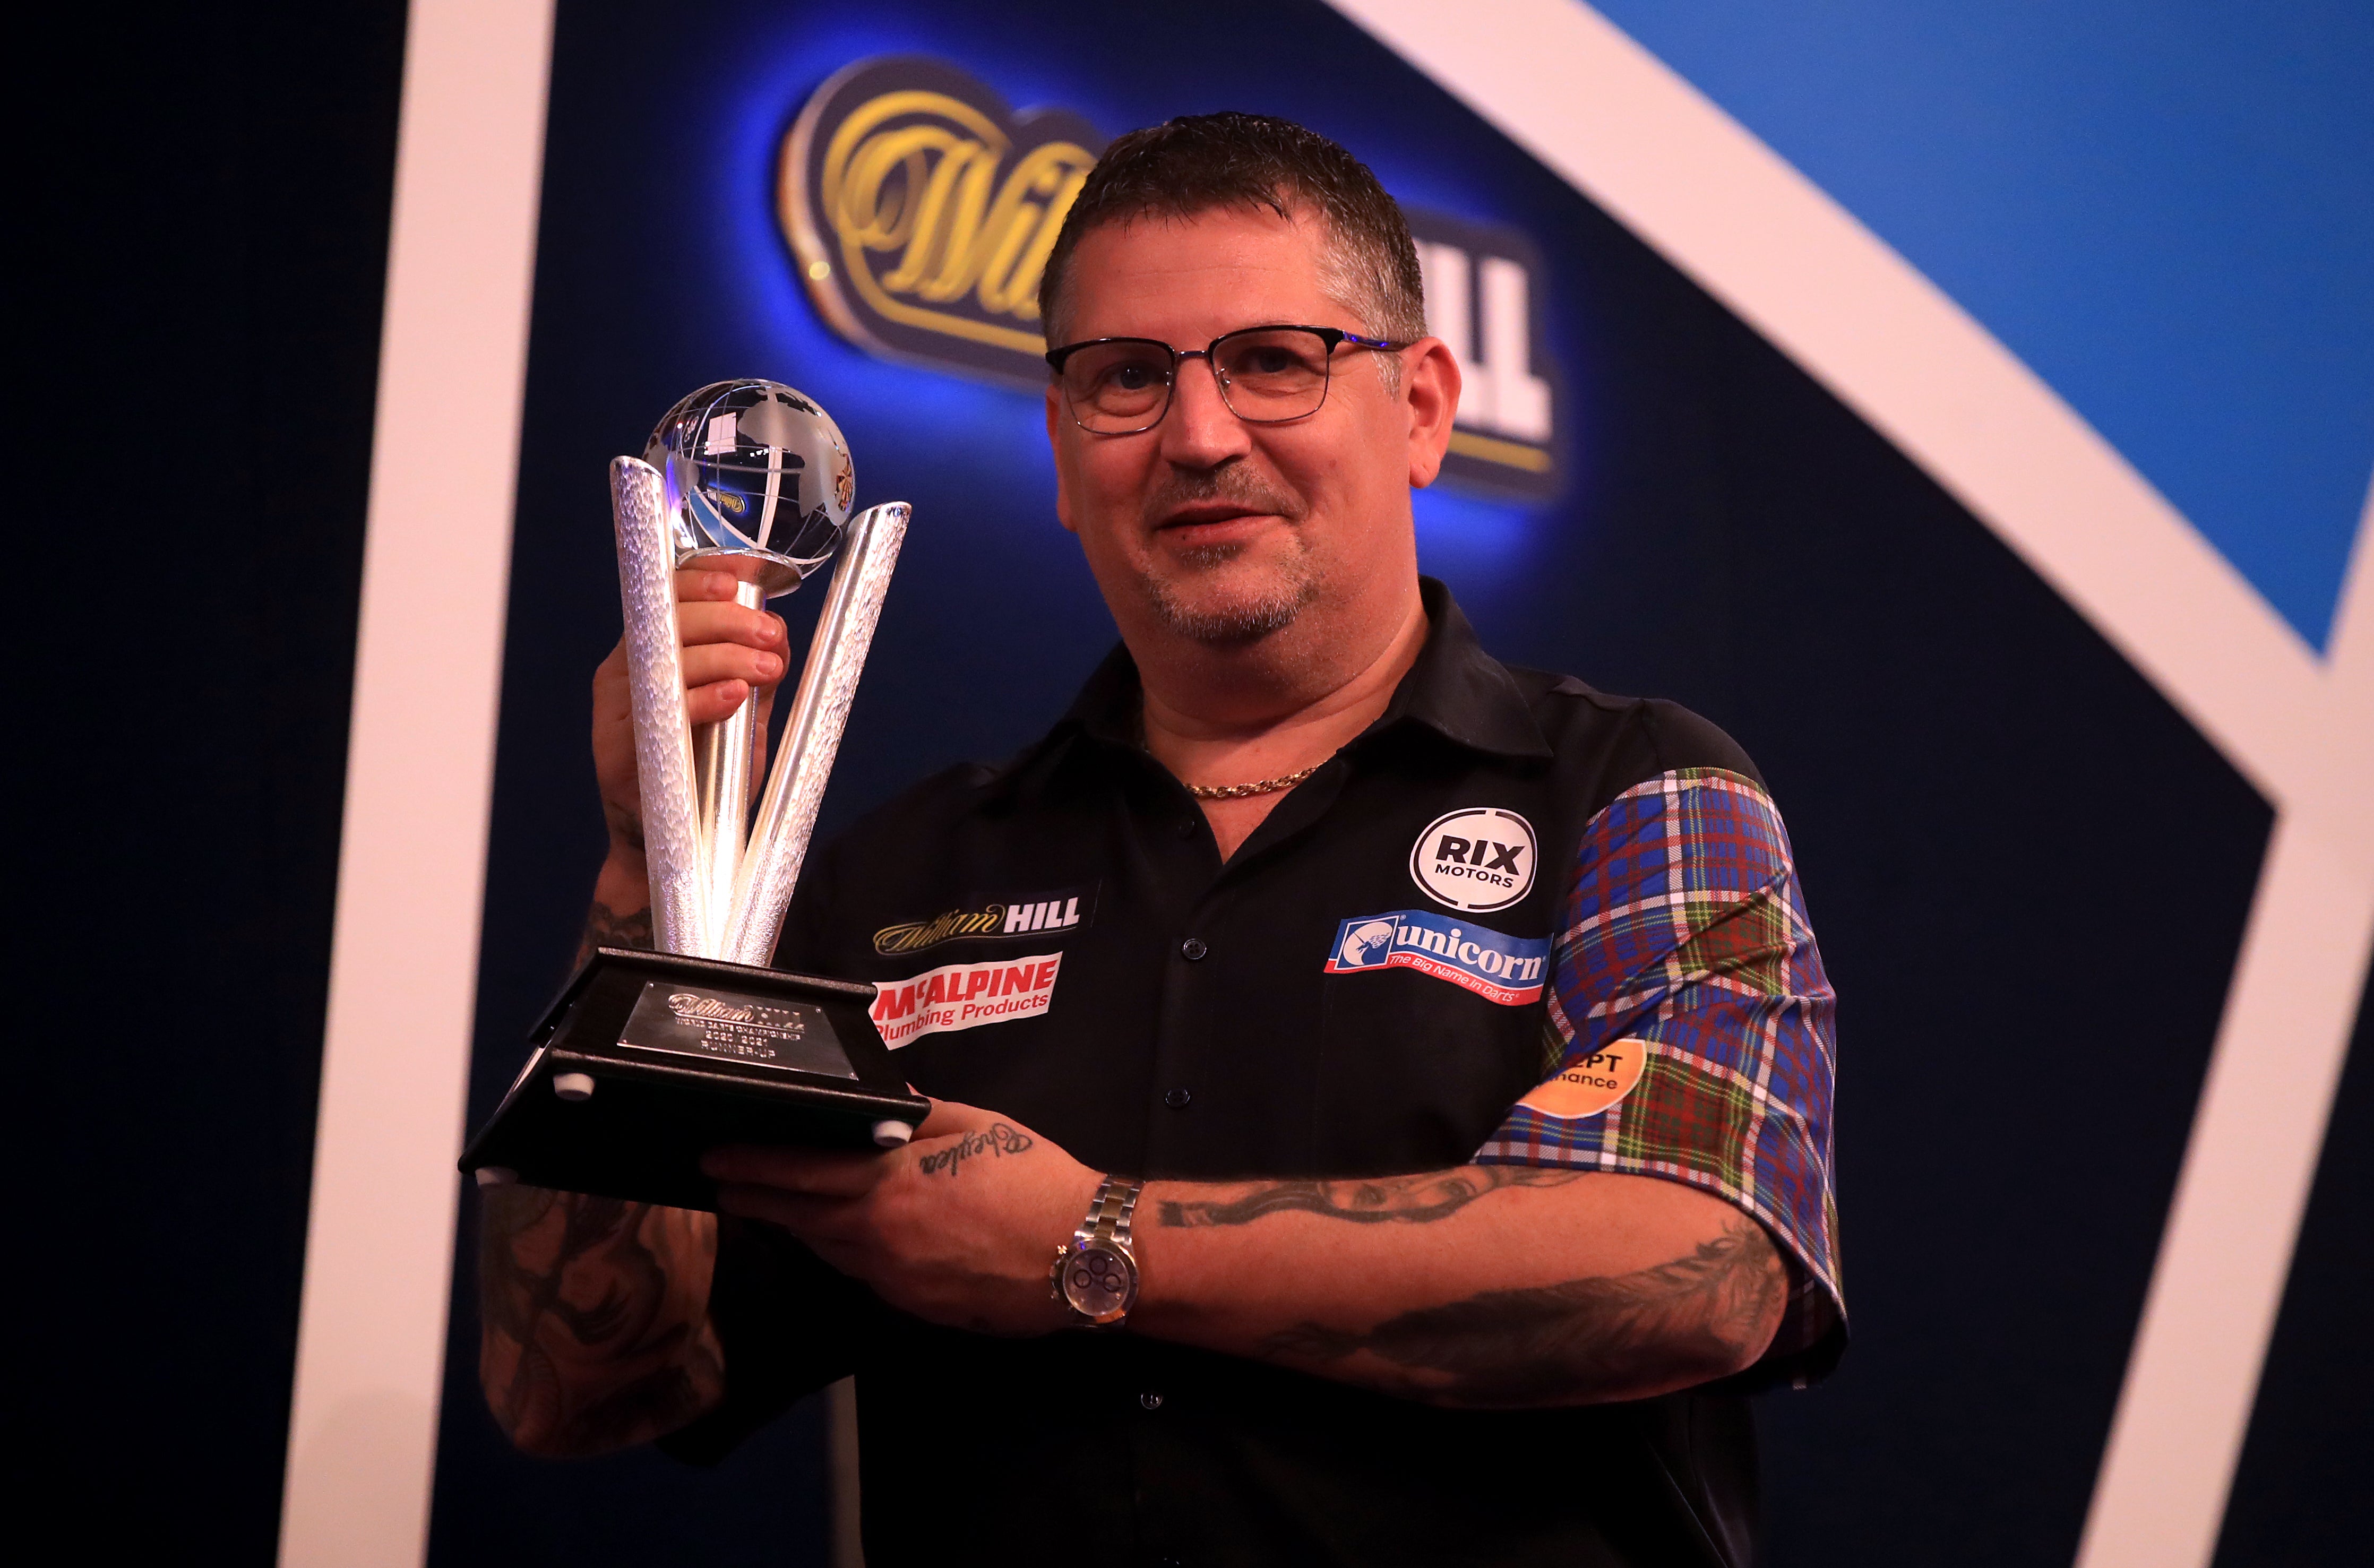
{"x":1463,"y":1024}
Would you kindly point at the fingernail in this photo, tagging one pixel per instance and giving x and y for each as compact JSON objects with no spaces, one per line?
{"x":768,"y":665}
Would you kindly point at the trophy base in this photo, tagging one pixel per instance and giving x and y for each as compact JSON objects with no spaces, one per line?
{"x":649,"y":1060}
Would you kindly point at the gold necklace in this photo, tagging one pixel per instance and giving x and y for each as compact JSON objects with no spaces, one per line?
{"x":1239,"y":791}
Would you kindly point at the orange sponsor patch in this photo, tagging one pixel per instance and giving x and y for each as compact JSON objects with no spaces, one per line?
{"x":1588,"y":1085}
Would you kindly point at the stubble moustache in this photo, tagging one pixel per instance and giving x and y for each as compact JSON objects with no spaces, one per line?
{"x":1256,"y":609}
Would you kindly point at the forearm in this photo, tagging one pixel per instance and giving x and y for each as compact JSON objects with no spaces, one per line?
{"x":621,"y":913}
{"x":1488,"y":1285}
{"x":595,"y":1319}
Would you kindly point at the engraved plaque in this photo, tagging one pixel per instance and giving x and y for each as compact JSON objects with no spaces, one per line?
{"x":702,"y":1021}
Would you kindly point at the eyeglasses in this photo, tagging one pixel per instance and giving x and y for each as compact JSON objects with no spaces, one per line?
{"x":1119,"y":386}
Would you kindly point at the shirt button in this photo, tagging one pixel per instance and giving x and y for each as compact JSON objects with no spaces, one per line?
{"x":1193,"y":948}
{"x":1177,"y":1099}
{"x":1150,"y":1401}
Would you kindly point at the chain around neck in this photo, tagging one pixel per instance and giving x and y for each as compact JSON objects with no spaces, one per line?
{"x":1262,"y":787}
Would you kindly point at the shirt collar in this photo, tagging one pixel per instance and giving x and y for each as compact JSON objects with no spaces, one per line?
{"x":1455,"y":689}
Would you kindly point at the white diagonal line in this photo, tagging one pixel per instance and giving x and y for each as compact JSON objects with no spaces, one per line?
{"x":378,"y":1243}
{"x":1565,"y":84}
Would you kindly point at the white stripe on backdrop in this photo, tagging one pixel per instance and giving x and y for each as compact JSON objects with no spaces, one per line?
{"x":1566,"y":84}
{"x":395,"y":1053}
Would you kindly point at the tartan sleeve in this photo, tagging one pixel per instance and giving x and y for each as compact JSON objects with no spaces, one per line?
{"x":1691,"y":1030}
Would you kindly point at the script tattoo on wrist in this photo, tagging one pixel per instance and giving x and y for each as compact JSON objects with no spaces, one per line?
{"x":1616,"y":1336}
{"x":1000,"y":1140}
{"x":1387,"y":1200}
{"x":605,"y":927}
{"x":588,"y":1343}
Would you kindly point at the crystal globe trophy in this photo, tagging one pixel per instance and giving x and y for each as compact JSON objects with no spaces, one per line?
{"x":647,"y":1060}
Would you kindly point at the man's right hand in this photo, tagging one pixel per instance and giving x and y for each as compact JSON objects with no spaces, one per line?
{"x":730,"y":652}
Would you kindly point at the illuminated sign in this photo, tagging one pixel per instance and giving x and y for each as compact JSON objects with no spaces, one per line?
{"x":1482,"y":299}
{"x":920,"y":209}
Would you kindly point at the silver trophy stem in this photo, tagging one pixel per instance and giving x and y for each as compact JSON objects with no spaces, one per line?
{"x":721,"y":757}
{"x":779,"y":842}
{"x":672,"y":837}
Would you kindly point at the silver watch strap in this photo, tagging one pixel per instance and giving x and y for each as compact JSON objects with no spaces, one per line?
{"x":1109,"y":1211}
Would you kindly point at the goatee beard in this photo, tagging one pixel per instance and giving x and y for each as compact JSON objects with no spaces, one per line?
{"x":1272,"y":606}
{"x":1246,"y":619}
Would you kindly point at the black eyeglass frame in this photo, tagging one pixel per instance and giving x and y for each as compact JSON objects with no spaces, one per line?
{"x":1334,"y":337}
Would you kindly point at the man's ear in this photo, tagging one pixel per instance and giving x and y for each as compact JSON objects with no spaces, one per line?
{"x":1431,"y":393}
{"x":1055,"y":450}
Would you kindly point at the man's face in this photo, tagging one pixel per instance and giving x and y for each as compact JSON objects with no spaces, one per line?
{"x":1210,"y":527}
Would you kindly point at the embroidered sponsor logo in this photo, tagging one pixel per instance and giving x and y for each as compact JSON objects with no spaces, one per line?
{"x":1506,"y":970}
{"x":1062,"y":910}
{"x":1478,"y":859}
{"x":964,"y":996}
{"x":1590,"y":1085}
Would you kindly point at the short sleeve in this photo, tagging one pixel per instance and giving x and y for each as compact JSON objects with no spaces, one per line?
{"x":1692,"y":1030}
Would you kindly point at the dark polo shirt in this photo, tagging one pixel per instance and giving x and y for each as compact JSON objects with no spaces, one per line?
{"x":1159,"y":1012}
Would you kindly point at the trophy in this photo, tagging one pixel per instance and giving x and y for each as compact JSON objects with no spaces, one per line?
{"x":647,"y":1060}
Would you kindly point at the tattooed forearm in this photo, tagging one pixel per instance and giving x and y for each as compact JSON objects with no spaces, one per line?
{"x":1678,"y":1323}
{"x":592,"y":1337}
{"x":605,"y":927}
{"x":1409,"y":1200}
{"x":1001,"y":1138}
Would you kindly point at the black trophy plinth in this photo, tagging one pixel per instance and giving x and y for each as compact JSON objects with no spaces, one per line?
{"x":648,"y":1060}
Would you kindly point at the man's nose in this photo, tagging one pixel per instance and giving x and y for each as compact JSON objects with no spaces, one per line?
{"x":1200,"y":432}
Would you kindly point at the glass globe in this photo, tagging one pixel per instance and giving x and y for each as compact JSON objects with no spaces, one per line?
{"x":757,"y":474}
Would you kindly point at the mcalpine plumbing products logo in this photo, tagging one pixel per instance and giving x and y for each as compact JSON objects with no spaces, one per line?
{"x":964,"y":996}
{"x":920,"y":209}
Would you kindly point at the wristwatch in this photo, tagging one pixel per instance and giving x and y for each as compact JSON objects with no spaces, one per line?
{"x":1096,"y":1272}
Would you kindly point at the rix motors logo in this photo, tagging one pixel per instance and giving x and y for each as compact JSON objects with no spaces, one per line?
{"x":922,"y":208}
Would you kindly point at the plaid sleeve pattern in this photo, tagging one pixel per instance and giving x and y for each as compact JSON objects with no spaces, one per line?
{"x":1691,"y":1030}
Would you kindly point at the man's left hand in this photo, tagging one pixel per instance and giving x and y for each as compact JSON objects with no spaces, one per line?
{"x":960,"y":1227}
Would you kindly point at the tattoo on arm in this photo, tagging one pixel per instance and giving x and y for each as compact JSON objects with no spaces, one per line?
{"x":645,"y":1351}
{"x":1676,"y":1323}
{"x":1402,"y":1201}
{"x":1001,"y":1138}
{"x":605,"y":927}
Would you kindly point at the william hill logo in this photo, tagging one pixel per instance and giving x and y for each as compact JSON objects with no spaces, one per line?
{"x":920,"y":209}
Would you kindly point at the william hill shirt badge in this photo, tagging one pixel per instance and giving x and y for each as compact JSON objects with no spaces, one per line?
{"x":1505,"y":969}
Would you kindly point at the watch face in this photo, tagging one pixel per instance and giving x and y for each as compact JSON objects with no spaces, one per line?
{"x":1098,"y":1282}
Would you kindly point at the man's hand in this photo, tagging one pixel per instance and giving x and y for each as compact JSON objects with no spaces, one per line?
{"x":960,"y":1227}
{"x":730,"y":652}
